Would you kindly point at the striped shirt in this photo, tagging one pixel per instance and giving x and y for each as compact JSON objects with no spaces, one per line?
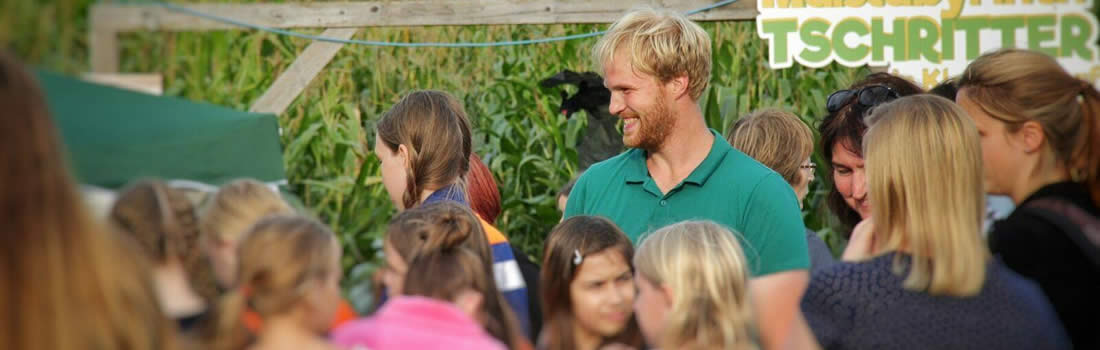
{"x":506,"y":270}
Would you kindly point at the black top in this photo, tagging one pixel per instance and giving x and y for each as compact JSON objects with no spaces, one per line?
{"x":864,"y":306}
{"x":1037,"y":249}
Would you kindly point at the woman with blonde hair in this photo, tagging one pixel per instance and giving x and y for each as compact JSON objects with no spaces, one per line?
{"x":926,"y":280}
{"x":288,"y":289}
{"x":782,"y":142}
{"x":692,"y":280}
{"x":68,"y":283}
{"x":1040,"y":139}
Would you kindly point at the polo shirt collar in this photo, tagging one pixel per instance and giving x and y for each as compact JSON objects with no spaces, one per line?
{"x":637,"y":172}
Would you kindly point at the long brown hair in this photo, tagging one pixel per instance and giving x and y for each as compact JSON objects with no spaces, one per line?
{"x":163,"y":223}
{"x":585,"y":235}
{"x":410,"y":232}
{"x":1016,"y":86}
{"x":845,"y":127}
{"x":279,"y":256}
{"x":68,"y":283}
{"x":434,"y":128}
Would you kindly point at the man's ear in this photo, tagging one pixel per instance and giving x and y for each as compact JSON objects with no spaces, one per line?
{"x":1031,"y":136}
{"x":678,"y":86}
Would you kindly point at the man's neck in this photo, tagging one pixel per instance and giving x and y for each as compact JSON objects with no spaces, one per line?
{"x":686,"y":147}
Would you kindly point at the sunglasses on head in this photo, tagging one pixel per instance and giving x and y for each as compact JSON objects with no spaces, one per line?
{"x":868,"y":96}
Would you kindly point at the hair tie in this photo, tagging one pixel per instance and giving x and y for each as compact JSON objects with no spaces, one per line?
{"x":577,"y":258}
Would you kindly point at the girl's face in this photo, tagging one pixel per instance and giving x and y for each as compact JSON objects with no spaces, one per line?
{"x":326,"y":298}
{"x":1003,"y":153}
{"x":602,"y":293}
{"x":394,"y":176}
{"x":393,"y":274}
{"x":651,"y":307}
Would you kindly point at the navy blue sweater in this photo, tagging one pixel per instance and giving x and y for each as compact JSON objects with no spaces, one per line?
{"x":864,"y":306}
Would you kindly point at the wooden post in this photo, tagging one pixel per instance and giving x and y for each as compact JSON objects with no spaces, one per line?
{"x":295,"y":79}
{"x":102,"y":41}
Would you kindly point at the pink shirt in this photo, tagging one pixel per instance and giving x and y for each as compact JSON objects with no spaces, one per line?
{"x":412,"y":323}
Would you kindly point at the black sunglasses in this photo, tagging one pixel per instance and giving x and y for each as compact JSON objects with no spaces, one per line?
{"x":868,"y":96}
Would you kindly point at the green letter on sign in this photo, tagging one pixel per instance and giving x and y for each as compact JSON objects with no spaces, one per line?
{"x":1075,"y":42}
{"x":813,"y":35}
{"x":923,"y":34}
{"x":880,"y":40}
{"x":850,"y":25}
{"x":779,"y":30}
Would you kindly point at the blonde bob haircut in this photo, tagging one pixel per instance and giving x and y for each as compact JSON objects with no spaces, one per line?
{"x":702,"y":263}
{"x":662,"y":44}
{"x":775,"y":138}
{"x":924,"y":177}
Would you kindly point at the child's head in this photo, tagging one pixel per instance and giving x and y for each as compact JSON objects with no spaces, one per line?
{"x":228,"y":216}
{"x":426,"y":229}
{"x":693,"y":288}
{"x":424,"y":143}
{"x":162,"y":222}
{"x":289,"y":267}
{"x":587,"y":283}
{"x":442,"y":268}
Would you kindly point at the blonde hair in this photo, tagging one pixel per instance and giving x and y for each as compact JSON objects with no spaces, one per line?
{"x":662,"y":44}
{"x":704,"y":265}
{"x":775,"y":138}
{"x":69,"y":283}
{"x":924,"y":177}
{"x":1016,"y":86}
{"x":280,"y":257}
{"x":236,"y":207}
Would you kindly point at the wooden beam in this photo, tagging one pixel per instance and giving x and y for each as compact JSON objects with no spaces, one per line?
{"x":102,"y":40}
{"x":150,"y":83}
{"x":295,"y":79}
{"x":403,"y":13}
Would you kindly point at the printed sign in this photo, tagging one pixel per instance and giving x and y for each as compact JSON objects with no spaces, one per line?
{"x":926,"y":40}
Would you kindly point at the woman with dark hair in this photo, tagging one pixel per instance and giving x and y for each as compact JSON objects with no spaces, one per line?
{"x":588,"y":286}
{"x":842,"y":138}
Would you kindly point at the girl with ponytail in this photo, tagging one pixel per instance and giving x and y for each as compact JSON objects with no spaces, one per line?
{"x":424,"y":144}
{"x":1040,"y":137}
{"x":693,"y":292}
{"x":288,"y":288}
{"x":440,"y":273}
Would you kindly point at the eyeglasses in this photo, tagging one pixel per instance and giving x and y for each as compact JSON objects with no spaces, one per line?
{"x":809,"y":166}
{"x":868,"y":96}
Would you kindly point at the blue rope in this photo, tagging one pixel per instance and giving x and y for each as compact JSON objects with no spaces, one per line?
{"x":237,"y":23}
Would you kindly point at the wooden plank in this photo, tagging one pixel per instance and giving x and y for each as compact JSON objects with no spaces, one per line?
{"x":290,"y":84}
{"x":150,"y":83}
{"x":102,"y":40}
{"x":404,"y":13}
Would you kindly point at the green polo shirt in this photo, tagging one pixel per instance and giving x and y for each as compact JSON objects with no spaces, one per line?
{"x":729,"y":188}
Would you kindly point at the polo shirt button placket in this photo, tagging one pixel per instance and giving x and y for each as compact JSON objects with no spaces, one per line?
{"x":664,"y":203}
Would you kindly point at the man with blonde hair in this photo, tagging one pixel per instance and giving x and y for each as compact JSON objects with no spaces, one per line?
{"x":657,"y":65}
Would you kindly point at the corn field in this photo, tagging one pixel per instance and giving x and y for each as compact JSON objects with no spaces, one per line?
{"x":527,"y":144}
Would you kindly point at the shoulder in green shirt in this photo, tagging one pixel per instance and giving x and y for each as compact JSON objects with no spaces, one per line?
{"x":729,"y":188}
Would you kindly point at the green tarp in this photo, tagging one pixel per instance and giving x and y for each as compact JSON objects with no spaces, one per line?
{"x":115,"y":136}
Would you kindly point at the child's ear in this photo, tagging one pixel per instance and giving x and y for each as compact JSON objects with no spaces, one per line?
{"x":403,"y":155}
{"x":469,"y":301}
